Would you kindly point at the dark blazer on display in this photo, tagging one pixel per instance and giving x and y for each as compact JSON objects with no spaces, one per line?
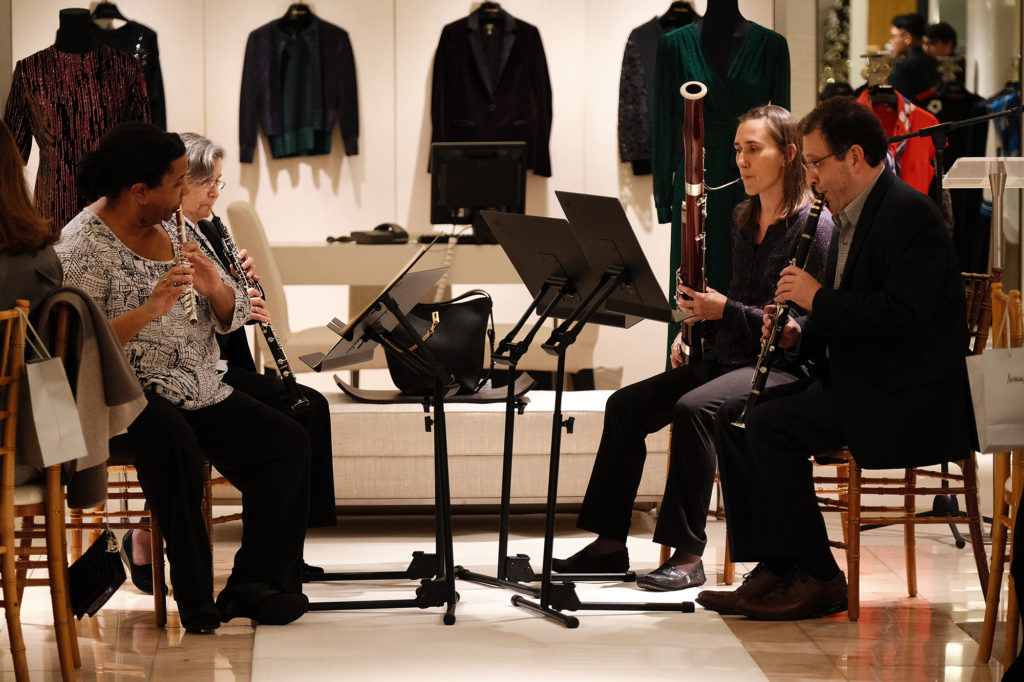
{"x":486,"y":92}
{"x":895,"y":335}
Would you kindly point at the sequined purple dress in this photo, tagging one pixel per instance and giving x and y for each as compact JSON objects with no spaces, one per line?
{"x":67,"y":101}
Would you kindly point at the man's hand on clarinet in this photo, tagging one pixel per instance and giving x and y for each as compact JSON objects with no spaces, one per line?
{"x":790,"y":335}
{"x":797,"y":286}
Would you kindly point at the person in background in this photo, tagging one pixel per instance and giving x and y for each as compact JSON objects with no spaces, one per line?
{"x":766,"y":229}
{"x":939,"y":40}
{"x":166,"y":299}
{"x":913,"y":72}
{"x":203,"y":185}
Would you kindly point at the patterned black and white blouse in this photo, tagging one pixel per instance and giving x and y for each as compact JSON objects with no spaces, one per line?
{"x":174,"y":359}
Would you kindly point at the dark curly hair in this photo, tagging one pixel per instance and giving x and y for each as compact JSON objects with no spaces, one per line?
{"x":130,"y":153}
{"x":845,"y":122}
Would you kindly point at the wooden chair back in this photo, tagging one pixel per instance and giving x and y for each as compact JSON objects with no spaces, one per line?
{"x":12,"y":349}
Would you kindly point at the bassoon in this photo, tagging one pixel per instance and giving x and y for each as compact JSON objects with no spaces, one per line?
{"x":769,"y":344}
{"x":227,"y":253}
{"x":692,"y":266}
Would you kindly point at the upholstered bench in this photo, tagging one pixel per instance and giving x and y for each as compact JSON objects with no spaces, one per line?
{"x":384,"y":456}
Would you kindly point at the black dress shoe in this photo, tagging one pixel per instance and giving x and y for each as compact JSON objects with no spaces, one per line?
{"x":311,"y":573}
{"x":799,"y":596}
{"x":667,"y":578}
{"x":142,"y":574}
{"x":585,"y":562}
{"x":198,"y":616}
{"x":261,"y":603}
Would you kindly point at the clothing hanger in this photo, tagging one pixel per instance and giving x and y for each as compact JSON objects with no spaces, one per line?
{"x":297,"y":17}
{"x":297,"y":10}
{"x":107,"y":10}
{"x":490,"y":7}
{"x":678,"y":14}
{"x":882,"y":95}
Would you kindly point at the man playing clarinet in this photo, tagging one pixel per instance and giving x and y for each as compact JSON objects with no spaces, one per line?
{"x":885,"y":331}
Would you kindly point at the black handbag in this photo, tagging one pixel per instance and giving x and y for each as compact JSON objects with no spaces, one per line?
{"x":453,"y":331}
{"x":95,"y":576}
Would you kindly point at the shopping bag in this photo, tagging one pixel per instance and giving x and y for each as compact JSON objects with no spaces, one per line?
{"x":997,"y":390}
{"x":49,"y":430}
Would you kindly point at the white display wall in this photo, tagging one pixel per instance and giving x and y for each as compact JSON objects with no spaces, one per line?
{"x":202,"y":44}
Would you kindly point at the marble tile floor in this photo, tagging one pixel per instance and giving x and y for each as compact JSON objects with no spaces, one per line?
{"x":897,"y":638}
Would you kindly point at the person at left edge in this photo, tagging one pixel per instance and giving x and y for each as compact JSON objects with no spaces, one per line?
{"x":203,"y":185}
{"x":123,"y":250}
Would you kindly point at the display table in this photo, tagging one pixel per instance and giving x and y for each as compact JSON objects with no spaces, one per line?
{"x":383,"y":455}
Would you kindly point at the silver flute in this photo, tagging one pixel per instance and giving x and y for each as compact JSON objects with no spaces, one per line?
{"x":190,"y":293}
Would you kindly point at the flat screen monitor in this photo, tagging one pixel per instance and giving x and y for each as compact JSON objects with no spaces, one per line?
{"x":469,"y":177}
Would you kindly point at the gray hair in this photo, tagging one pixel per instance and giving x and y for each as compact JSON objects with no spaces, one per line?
{"x":201,"y":153}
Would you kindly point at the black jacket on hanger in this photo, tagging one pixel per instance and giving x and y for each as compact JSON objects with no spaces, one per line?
{"x":636,"y":95}
{"x":140,"y":42}
{"x":491,"y":84}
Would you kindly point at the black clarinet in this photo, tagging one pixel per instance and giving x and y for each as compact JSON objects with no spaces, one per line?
{"x":227,"y":252}
{"x":769,"y":344}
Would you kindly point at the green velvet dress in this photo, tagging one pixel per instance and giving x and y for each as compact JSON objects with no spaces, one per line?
{"x":758,"y":75}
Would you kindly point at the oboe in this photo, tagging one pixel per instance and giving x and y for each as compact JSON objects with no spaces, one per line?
{"x":189,"y":297}
{"x":692,"y":266}
{"x":769,"y":344}
{"x":228,"y":254}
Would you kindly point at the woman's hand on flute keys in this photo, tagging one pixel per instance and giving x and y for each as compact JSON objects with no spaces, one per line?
{"x":204,"y":274}
{"x":167,"y":291}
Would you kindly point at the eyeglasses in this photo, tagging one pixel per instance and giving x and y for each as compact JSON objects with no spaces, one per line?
{"x":813,"y":165}
{"x":219,"y":184}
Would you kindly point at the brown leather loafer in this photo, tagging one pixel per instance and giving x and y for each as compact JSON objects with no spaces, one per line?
{"x":756,"y":583}
{"x":798,"y":597}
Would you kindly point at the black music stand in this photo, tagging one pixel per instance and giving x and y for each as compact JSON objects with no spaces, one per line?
{"x":552,"y":265}
{"x":371,"y":326}
{"x":619,"y":280}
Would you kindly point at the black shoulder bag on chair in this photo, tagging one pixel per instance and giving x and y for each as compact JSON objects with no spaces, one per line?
{"x":453,"y":331}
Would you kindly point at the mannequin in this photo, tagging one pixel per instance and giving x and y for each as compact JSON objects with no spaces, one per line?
{"x":722,"y":30}
{"x":744,"y":65}
{"x":76,"y":32}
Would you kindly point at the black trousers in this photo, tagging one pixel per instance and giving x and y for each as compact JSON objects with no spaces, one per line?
{"x":687,"y":397}
{"x":766,"y":471}
{"x":316,"y":420}
{"x":263,"y":453}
